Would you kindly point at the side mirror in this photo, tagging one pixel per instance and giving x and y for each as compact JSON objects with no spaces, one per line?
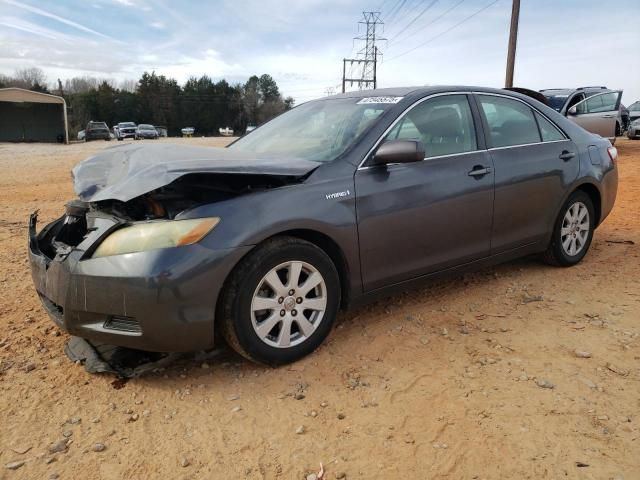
{"x":399,"y":151}
{"x":572,"y":111}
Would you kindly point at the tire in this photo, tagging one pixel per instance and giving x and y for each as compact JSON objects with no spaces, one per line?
{"x":576,"y":244}
{"x":239,"y":320}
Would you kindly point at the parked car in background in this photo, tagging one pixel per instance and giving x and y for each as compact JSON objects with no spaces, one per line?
{"x":250,"y":128}
{"x":633,"y":132}
{"x":162,"y":131}
{"x":125,"y":130}
{"x":333,"y":203}
{"x":187,"y":131}
{"x":225,"y":132}
{"x":624,"y":119}
{"x":596,"y":109}
{"x":97,"y":131}
{"x":145,"y":130}
{"x":634,"y":111}
{"x":81,"y":135}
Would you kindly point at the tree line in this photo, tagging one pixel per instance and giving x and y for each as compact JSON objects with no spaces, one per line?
{"x":201,"y":102}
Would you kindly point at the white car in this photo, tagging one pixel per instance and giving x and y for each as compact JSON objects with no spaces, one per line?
{"x":188,"y":131}
{"x":125,"y":130}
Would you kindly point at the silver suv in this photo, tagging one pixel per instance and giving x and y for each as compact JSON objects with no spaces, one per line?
{"x":596,"y":109}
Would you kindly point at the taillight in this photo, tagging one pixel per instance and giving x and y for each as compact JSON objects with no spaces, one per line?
{"x":613,"y":154}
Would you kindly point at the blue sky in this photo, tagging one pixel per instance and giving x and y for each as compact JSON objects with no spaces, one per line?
{"x":562,"y":43}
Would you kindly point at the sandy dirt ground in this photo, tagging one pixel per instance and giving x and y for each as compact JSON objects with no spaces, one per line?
{"x":437,"y":383}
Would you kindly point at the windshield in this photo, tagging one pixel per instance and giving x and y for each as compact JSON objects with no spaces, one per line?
{"x":319,"y":131}
{"x":145,"y":127}
{"x":634,"y":107}
{"x":126,"y":124}
{"x":557,"y":101}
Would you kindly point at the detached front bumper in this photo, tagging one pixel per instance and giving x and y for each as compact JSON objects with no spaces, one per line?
{"x":160,"y":300}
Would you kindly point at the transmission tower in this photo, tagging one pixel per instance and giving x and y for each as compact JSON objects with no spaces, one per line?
{"x":367,"y":57}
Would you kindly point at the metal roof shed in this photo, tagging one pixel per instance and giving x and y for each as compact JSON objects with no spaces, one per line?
{"x":27,"y":116}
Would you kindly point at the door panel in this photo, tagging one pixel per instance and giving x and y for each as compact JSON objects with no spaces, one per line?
{"x":422,"y":217}
{"x":598,"y":114}
{"x":534,"y":164}
{"x":531,"y":181}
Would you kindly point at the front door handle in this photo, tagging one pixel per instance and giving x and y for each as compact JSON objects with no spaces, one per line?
{"x":608,"y":116}
{"x":479,"y":171}
{"x":566,"y":155}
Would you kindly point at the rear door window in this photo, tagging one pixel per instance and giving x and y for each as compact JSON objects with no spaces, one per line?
{"x":510,"y":122}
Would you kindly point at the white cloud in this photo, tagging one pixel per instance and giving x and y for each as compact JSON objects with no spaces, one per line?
{"x":44,"y":13}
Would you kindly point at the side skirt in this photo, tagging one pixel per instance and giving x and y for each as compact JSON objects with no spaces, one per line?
{"x":476,"y":265}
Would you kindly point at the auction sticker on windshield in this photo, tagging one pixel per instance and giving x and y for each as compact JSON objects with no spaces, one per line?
{"x":380,"y":100}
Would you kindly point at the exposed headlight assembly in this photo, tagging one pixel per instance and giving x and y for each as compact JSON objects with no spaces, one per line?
{"x":159,"y":234}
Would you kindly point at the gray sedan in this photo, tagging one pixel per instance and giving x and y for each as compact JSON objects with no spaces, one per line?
{"x":336,"y":202}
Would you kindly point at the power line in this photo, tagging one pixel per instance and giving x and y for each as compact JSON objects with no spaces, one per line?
{"x":415,"y":19}
{"x":435,"y":37}
{"x":421,"y":29}
{"x":393,"y":13}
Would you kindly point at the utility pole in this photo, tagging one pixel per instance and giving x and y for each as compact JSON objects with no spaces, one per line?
{"x":367,"y":56}
{"x":513,"y":40}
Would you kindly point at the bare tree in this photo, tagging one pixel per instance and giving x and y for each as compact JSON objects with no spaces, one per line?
{"x":30,"y":78}
{"x":80,"y":84}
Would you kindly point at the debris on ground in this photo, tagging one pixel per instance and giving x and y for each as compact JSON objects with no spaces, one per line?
{"x":124,"y":362}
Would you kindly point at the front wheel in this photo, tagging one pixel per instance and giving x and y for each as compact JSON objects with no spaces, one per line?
{"x":280,"y":302}
{"x":573,"y":231}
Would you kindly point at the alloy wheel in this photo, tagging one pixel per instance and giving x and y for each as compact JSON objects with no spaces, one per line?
{"x":575,"y":229}
{"x":288,"y":304}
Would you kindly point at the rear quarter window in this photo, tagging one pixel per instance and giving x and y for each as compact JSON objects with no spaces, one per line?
{"x":548,"y":130}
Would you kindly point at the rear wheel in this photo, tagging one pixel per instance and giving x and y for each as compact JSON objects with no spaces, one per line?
{"x":280,"y":302}
{"x":573,"y":231}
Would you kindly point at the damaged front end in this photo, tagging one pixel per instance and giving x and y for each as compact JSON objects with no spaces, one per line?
{"x":125,"y":264}
{"x":188,"y":192}
{"x":58,"y":247}
{"x":156,"y":299}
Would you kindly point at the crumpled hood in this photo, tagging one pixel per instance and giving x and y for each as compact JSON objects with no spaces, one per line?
{"x":128,"y":171}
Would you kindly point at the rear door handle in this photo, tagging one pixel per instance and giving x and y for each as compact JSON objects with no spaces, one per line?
{"x":566,"y":155}
{"x":608,"y":116}
{"x":479,"y":171}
